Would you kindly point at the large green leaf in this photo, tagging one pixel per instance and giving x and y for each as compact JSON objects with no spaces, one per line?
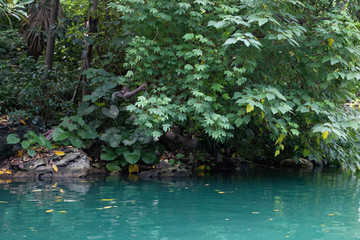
{"x":113,"y":166}
{"x":132,"y":157}
{"x":148,"y":157}
{"x":59,"y":134}
{"x":113,"y":112}
{"x":12,"y":139}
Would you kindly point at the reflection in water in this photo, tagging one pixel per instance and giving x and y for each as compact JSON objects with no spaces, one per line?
{"x":261,"y":205}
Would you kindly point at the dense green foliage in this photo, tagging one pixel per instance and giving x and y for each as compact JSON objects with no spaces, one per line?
{"x":252,"y":78}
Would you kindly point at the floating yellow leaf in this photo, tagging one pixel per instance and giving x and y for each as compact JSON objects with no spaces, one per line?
{"x":107,"y":200}
{"x":331,"y":41}
{"x":331,"y":214}
{"x":325,"y":134}
{"x":59,"y":153}
{"x":249,"y":108}
{"x":133,"y":168}
{"x":107,"y":207}
{"x":62,"y":211}
{"x":255,"y":212}
{"x":55,"y":167}
{"x":221,"y":192}
{"x":276,"y":210}
{"x":49,"y":210}
{"x":3,"y":202}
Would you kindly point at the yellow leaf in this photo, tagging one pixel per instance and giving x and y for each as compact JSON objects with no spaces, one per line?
{"x":49,"y":210}
{"x":107,"y":200}
{"x":325,"y":134}
{"x":255,"y":212}
{"x":62,"y":211}
{"x":331,"y":41}
{"x":59,"y":153}
{"x":277,"y":152}
{"x":249,"y":108}
{"x":8,"y":172}
{"x":262,"y":115}
{"x":280,"y":139}
{"x":201,"y":167}
{"x":55,"y":167}
{"x":2,"y":172}
{"x":107,"y":207}
{"x":221,"y":192}
{"x":133,"y":168}
{"x":22,"y":121}
{"x":202,"y":62}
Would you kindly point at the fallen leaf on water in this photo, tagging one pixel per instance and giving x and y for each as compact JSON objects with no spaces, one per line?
{"x":331,"y":214}
{"x":221,"y":192}
{"x":59,"y":153}
{"x":255,"y":212}
{"x":36,"y":190}
{"x":107,"y":200}
{"x":3,"y":202}
{"x":49,"y":210}
{"x":276,"y":210}
{"x":107,"y":207}
{"x":62,"y":211}
{"x":271,"y":219}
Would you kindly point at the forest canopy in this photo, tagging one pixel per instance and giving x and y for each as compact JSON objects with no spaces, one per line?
{"x":269,"y":79}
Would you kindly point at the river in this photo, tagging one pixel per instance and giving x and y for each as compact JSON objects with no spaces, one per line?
{"x":267,"y":204}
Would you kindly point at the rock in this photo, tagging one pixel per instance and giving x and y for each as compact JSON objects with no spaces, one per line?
{"x":73,"y":164}
{"x":302,"y":163}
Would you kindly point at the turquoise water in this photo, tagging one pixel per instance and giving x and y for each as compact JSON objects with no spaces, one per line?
{"x":259,"y":205}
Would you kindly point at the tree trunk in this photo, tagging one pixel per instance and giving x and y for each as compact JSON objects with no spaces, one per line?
{"x":50,"y":46}
{"x":87,"y":58}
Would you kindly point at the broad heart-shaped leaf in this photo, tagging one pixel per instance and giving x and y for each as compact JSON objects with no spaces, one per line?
{"x":132,"y":157}
{"x":113,"y":112}
{"x":31,"y":152}
{"x":12,"y":139}
{"x":85,"y":109}
{"x":44,"y":142}
{"x":113,"y":166}
{"x":112,"y":136}
{"x":59,"y":134}
{"x":108,"y":156}
{"x":148,"y":157}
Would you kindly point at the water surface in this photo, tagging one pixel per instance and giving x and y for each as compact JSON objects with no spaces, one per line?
{"x":259,"y":205}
